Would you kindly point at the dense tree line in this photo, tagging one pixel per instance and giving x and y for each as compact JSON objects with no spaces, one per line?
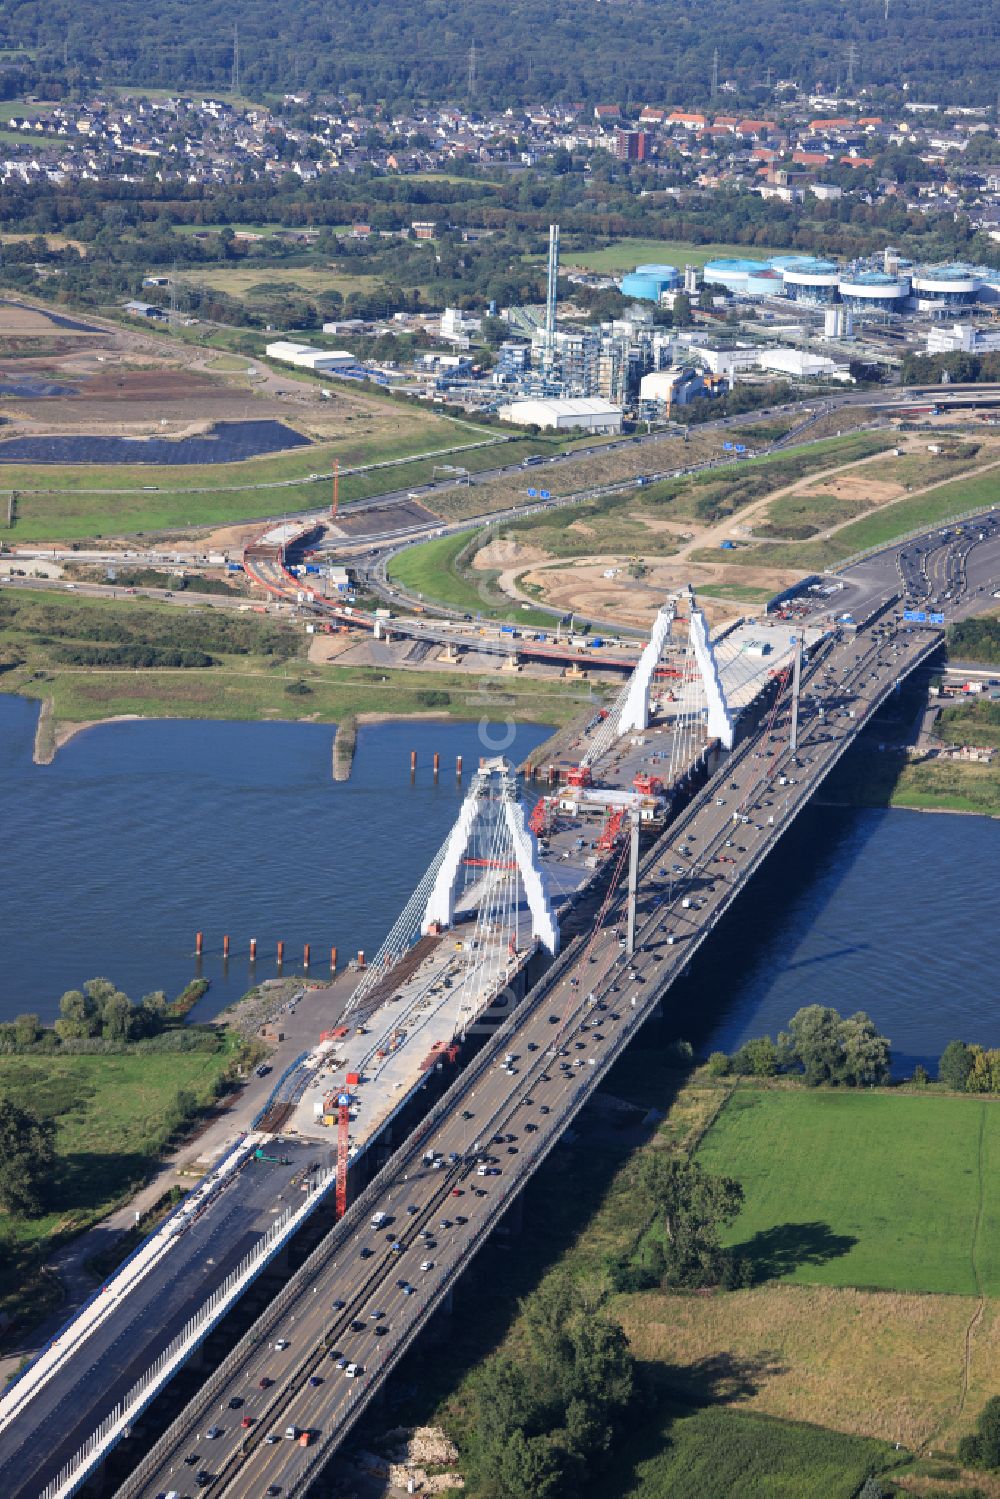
{"x":958,"y":367}
{"x":820,"y":1046}
{"x":27,"y":1153}
{"x":969,"y":1068}
{"x":545,"y":1418}
{"x":129,"y":229}
{"x":99,"y":1016}
{"x":686,"y":1208}
{"x":533,"y":51}
{"x":976,"y":639}
{"x":188,"y":637}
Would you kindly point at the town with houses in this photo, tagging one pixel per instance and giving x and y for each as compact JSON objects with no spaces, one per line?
{"x":786,"y":155}
{"x":800,"y":320}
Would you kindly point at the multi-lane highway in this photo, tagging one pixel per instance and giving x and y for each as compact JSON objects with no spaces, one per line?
{"x":312,"y":1361}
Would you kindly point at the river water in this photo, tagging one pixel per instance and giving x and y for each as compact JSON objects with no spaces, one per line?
{"x":139,"y":834}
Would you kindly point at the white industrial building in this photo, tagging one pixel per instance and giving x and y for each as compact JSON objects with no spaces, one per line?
{"x":804,"y":365}
{"x":457,"y":327}
{"x":323,"y":361}
{"x":659,"y":385}
{"x":963,"y":338}
{"x":592,"y":414}
{"x":728,"y":359}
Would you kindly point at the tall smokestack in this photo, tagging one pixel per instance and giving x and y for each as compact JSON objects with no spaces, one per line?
{"x":550,"y":296}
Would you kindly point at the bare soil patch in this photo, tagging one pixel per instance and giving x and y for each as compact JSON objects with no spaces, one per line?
{"x":856,"y":486}
{"x":502,"y":554}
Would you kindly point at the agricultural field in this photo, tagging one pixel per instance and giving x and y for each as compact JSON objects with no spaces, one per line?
{"x":626,"y":254}
{"x":877,"y":1364}
{"x":873,"y":1189}
{"x":239,"y":280}
{"x":687,"y":1454}
{"x":722,"y":1367}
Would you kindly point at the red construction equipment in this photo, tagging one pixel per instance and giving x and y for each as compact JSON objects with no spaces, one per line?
{"x":612,"y":828}
{"x":539,"y":819}
{"x":647,"y":785}
{"x":579,"y":775}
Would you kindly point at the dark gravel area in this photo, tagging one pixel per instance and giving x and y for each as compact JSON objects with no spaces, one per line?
{"x":226,"y":442}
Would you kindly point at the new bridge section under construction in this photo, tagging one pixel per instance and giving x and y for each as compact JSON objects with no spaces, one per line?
{"x":317,"y":1355}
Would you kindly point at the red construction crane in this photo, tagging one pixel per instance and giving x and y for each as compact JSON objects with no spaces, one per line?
{"x":538,"y":821}
{"x":611,"y":830}
{"x":343,"y":1145}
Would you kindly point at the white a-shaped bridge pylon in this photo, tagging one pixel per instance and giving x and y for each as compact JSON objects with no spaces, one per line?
{"x":634,"y":715}
{"x":720,"y":720}
{"x":519,"y":845}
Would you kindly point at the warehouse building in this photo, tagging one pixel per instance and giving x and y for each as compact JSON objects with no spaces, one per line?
{"x":592,"y":415}
{"x":323,"y":361}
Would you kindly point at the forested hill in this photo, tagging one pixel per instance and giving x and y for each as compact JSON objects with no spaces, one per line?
{"x":526,"y":52}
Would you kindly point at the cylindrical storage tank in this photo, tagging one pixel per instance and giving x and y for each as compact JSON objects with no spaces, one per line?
{"x":874,"y":291}
{"x":647,"y":283}
{"x":806,"y":279}
{"x":733,"y":274}
{"x":951,"y":286}
{"x":765,"y":283}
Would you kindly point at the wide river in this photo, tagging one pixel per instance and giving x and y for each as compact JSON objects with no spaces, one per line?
{"x":140,"y":834}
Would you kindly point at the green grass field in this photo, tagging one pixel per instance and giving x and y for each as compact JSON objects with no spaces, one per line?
{"x":111,"y":1117}
{"x":72,"y":501}
{"x":872,"y":1189}
{"x":429,"y":570}
{"x":921,"y":512}
{"x":685,"y":1454}
{"x":256,"y":662}
{"x":239,"y":280}
{"x":628,"y":253}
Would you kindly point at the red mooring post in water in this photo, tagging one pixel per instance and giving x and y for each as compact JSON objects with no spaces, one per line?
{"x":333,"y":960}
{"x":225,"y":946}
{"x":305,"y":956}
{"x":281,"y":953}
{"x":361,"y":957}
{"x":253,"y":949}
{"x":413,"y":762}
{"x":458,"y":767}
{"x":199,"y":943}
